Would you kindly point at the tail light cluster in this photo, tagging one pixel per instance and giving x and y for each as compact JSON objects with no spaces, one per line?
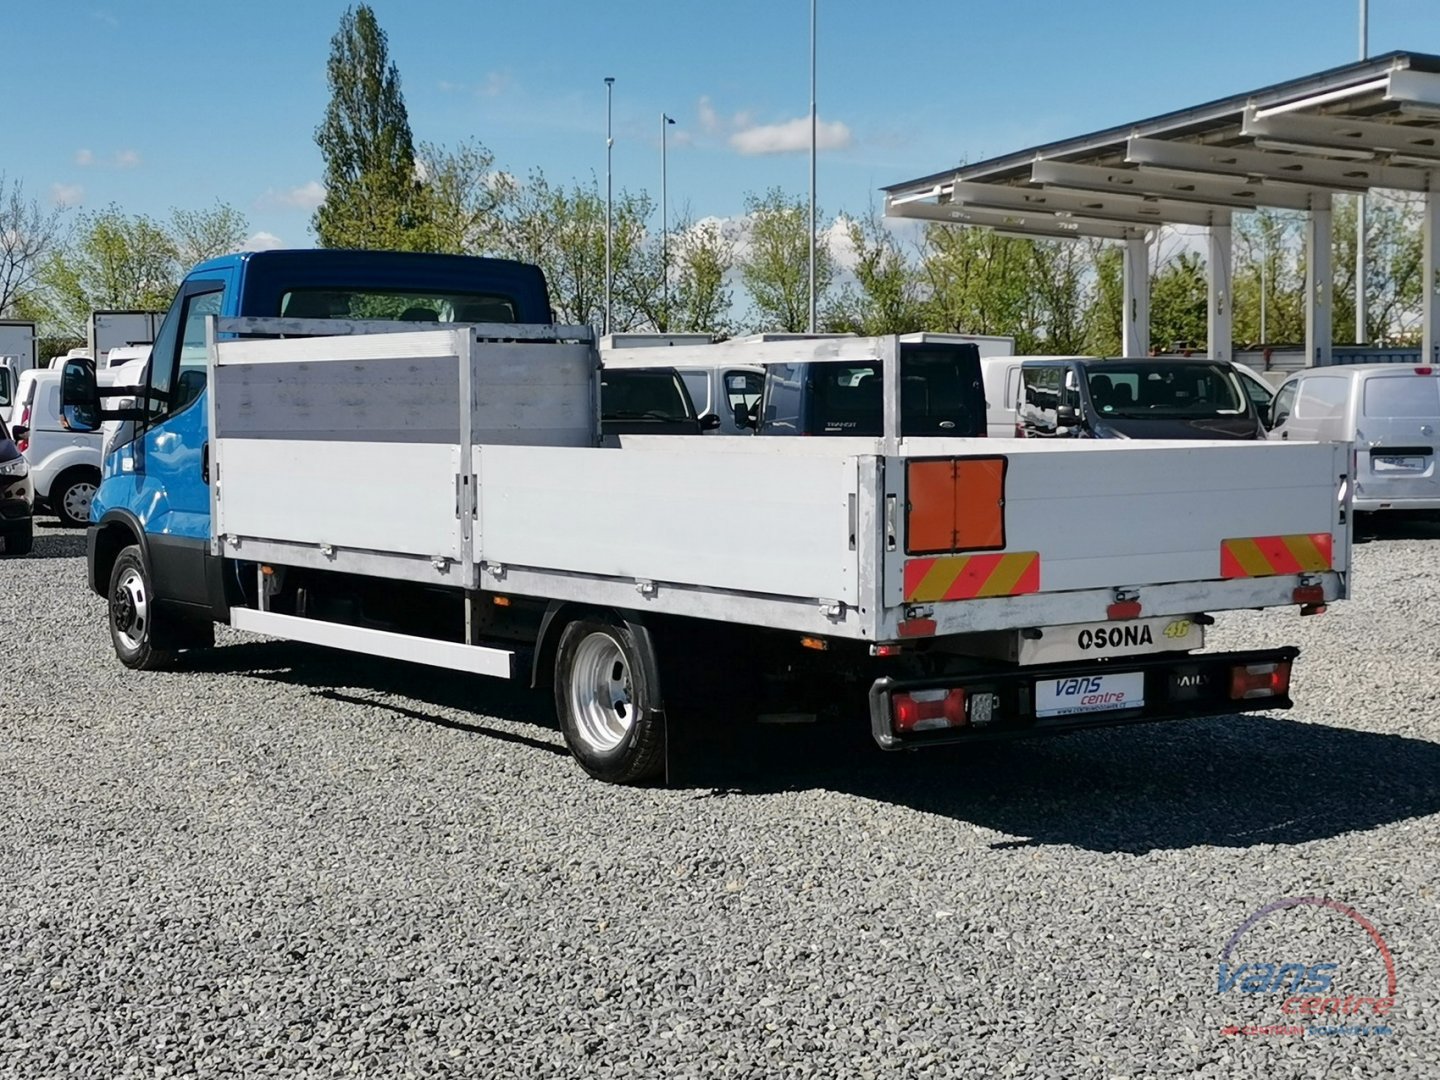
{"x":23,"y":444}
{"x":928,"y":710}
{"x":1259,"y":680}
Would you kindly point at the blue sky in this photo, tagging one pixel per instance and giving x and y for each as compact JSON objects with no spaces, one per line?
{"x":153,"y":105}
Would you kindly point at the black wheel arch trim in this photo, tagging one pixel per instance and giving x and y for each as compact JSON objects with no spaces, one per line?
{"x":111,"y":519}
{"x":547,"y":641}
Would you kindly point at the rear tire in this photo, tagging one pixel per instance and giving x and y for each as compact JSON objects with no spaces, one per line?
{"x":133,"y":613}
{"x":609,"y":710}
{"x":71,"y":494}
{"x":21,"y":541}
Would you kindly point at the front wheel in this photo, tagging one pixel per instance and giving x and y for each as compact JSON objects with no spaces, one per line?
{"x":133,"y":613}
{"x":610,"y":713}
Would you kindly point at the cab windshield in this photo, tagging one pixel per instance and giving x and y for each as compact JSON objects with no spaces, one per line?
{"x":1164,"y":390}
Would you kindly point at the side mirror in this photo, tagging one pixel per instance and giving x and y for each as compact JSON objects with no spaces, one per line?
{"x":1264,"y":411}
{"x":79,"y":396}
{"x":20,"y":432}
{"x":742,"y":416}
{"x":709,"y":422}
{"x":1067,"y":416}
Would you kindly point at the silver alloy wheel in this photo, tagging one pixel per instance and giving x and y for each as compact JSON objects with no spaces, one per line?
{"x":600,"y":692}
{"x":76,"y":500}
{"x":130,"y":609}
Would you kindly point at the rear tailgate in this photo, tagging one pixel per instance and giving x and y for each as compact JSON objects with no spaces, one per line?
{"x":1048,"y":534}
{"x":1397,"y":435}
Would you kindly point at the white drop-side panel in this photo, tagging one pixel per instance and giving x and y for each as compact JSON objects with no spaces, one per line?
{"x":758,"y":523}
{"x":534,"y":395}
{"x":369,"y":496}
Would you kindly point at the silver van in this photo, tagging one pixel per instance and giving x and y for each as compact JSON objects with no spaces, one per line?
{"x":1391,"y":412}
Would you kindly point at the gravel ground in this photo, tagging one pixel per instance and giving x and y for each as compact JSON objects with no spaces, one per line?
{"x":279,"y":861}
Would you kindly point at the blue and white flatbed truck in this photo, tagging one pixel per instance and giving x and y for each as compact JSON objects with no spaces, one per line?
{"x":399,"y":455}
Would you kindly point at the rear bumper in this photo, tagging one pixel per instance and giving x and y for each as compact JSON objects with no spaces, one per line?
{"x":1366,"y":504}
{"x":1178,"y":686}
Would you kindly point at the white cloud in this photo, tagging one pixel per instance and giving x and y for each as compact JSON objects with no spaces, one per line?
{"x":305,"y":197}
{"x":127,"y":159}
{"x":84,"y":158}
{"x":680,"y":137}
{"x":837,"y":238}
{"x":495,"y":84}
{"x":791,"y":137}
{"x":709,"y":118}
{"x":67,"y":194}
{"x":262,"y":241}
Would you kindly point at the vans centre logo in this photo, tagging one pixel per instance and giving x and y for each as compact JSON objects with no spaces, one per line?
{"x":1349,"y":993}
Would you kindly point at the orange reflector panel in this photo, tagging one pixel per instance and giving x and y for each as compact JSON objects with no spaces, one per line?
{"x":970,"y":577}
{"x":815,"y":643}
{"x":954,"y":504}
{"x":1267,"y":556}
{"x":502,"y":601}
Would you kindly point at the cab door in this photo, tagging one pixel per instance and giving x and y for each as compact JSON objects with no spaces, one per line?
{"x":172,"y":459}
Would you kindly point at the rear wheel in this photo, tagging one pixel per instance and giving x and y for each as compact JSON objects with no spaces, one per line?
{"x":610,"y":713}
{"x":71,"y":495}
{"x":20,"y":540}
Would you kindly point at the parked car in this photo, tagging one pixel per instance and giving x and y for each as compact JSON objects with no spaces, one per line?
{"x":648,"y":401}
{"x":1148,"y":398}
{"x":64,"y":464}
{"x":1391,"y":412}
{"x":17,"y":527}
{"x":1260,"y":389}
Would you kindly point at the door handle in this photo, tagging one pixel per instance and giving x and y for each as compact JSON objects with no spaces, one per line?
{"x":1284,"y":434}
{"x":205,"y":462}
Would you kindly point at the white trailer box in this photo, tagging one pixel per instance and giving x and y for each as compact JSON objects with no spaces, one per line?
{"x":114,"y":329}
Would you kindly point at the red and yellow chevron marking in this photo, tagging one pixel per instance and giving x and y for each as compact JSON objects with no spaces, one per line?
{"x":970,"y":577}
{"x":1266,"y":556}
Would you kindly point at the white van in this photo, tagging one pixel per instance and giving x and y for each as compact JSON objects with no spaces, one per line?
{"x":1002,"y":391}
{"x":1391,"y":412}
{"x":64,"y":464}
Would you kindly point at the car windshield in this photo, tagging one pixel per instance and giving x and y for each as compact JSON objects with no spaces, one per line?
{"x":1164,"y":389}
{"x":644,"y":394}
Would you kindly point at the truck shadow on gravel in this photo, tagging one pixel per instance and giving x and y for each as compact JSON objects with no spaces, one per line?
{"x":58,"y":544}
{"x":1232,"y":781}
{"x":1394,"y":526}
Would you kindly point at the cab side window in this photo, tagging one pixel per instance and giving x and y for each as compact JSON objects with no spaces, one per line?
{"x":178,"y":359}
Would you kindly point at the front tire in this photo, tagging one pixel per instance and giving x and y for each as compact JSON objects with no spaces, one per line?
{"x":609,"y":709}
{"x":71,"y":496}
{"x":133,"y":613}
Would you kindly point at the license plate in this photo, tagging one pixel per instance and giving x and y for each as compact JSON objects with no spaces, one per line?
{"x":1089,"y":694}
{"x":1399,"y":464}
{"x":1095,"y":641}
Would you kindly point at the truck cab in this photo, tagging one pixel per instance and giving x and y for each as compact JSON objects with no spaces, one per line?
{"x":155,"y":491}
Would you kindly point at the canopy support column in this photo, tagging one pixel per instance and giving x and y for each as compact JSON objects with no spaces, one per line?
{"x":1430,"y":268}
{"x":1220,"y":313}
{"x":1319,"y":286}
{"x":1135,"y":324}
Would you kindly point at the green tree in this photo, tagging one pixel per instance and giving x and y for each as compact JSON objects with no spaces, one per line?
{"x":28,"y":235}
{"x":1179,"y":303}
{"x":1059,"y":271}
{"x":978,"y":282}
{"x":1268,"y":261}
{"x":1104,"y":315}
{"x":371,"y":186}
{"x":703,"y":253}
{"x":203,"y":234}
{"x":775,"y":269}
{"x":1393,"y":252}
{"x":114,"y":260}
{"x":461,"y":200}
{"x":886,"y":298}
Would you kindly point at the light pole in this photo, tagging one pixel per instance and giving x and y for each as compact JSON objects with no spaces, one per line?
{"x":609,"y":195}
{"x":1360,"y":305}
{"x":665,"y":122}
{"x":812,"y":166}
